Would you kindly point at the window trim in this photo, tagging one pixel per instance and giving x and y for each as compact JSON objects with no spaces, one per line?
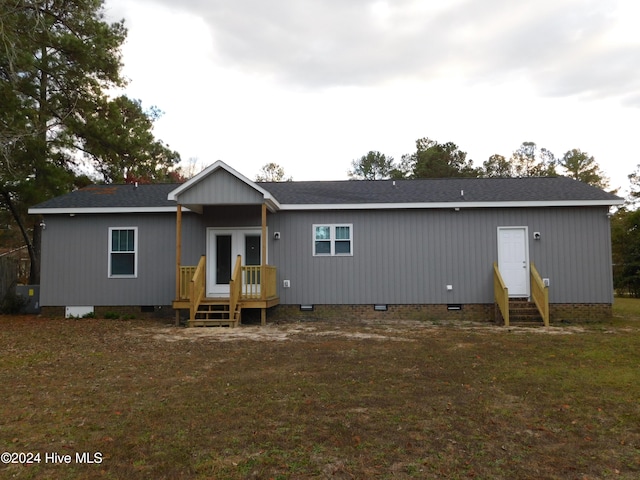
{"x":111,"y":252}
{"x":332,"y":239}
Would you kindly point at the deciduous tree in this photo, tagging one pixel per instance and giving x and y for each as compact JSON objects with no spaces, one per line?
{"x":372,"y":166}
{"x":437,"y":160}
{"x":528,"y":161}
{"x":634,"y":187}
{"x":497,"y":166}
{"x":625,"y":246}
{"x":272,"y":172}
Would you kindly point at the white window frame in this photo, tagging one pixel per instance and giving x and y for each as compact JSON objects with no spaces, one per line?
{"x":135,"y":252}
{"x":332,"y":239}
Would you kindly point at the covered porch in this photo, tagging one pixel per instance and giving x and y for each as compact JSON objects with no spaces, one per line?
{"x":251,"y":286}
{"x":222,"y":216}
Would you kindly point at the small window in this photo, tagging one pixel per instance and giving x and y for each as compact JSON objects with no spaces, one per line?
{"x":123,"y":251}
{"x":332,"y":240}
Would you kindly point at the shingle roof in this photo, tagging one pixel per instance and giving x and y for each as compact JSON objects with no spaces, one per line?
{"x":354,"y":192}
{"x":115,"y":196}
{"x":438,"y":190}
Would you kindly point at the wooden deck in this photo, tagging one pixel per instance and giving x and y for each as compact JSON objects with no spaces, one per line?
{"x":246,"y":303}
{"x":251,"y":286}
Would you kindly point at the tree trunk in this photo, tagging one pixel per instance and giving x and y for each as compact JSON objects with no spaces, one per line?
{"x":34,"y":255}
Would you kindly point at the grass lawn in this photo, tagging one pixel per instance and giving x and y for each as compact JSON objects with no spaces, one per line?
{"x":302,"y":400}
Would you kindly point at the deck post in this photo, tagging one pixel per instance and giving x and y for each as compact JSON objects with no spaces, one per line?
{"x":263,"y":244}
{"x":178,"y":256}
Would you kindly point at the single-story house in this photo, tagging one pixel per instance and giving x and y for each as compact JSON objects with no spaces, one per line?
{"x":431,"y":248}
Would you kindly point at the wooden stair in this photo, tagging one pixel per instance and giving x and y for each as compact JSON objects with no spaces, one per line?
{"x":521,"y":310}
{"x":215,"y":313}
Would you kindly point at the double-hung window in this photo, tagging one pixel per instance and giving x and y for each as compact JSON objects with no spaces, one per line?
{"x":333,"y":240}
{"x":123,"y":252}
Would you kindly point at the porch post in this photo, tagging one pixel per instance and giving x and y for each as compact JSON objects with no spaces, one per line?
{"x":263,"y":244}
{"x":178,"y":255}
{"x":263,"y":263}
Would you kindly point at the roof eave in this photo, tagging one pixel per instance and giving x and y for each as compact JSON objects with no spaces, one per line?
{"x":454,"y":205}
{"x":77,"y":210}
{"x":273,"y":206}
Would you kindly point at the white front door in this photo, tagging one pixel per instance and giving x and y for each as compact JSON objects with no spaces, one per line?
{"x":513,"y":259}
{"x":223,"y":246}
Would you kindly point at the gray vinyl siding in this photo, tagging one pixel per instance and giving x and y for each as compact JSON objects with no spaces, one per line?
{"x":399,"y":256}
{"x":575,"y":254}
{"x":410,"y":256}
{"x":74,"y":267}
{"x":221,"y":189}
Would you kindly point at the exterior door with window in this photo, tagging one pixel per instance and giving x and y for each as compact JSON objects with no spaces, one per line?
{"x":513,"y":260}
{"x":223,"y":246}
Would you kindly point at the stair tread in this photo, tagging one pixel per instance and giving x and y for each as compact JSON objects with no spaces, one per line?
{"x":200,"y":322}
{"x":523,"y":311}
{"x":215,"y":313}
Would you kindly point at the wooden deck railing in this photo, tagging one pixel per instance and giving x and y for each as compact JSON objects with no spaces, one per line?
{"x":269,"y":282}
{"x":186,"y":275}
{"x":196,"y":286}
{"x":235,"y":286}
{"x":540,"y":294}
{"x":501,"y":293}
{"x":251,"y":277}
{"x":256,"y":282}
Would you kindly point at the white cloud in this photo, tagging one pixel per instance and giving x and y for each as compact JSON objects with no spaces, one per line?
{"x":313,"y":84}
{"x":314,"y":43}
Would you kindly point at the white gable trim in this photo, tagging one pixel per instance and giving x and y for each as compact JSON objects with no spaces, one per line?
{"x":451,"y":205}
{"x":78,"y":210}
{"x":344,"y":206}
{"x":269,"y":199}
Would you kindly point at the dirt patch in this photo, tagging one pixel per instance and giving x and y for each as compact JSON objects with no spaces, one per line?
{"x":401,"y":330}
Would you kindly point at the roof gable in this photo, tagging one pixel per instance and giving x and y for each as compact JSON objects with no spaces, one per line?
{"x":220,"y":184}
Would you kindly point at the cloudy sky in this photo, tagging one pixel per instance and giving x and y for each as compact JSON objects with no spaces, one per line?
{"x":314,"y":84}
